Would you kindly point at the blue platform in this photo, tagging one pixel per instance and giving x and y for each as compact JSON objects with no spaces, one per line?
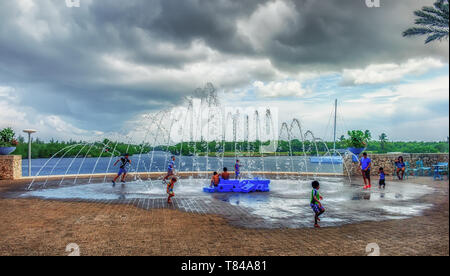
{"x":242,"y":186}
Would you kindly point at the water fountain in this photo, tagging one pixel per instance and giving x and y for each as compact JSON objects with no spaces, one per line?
{"x":206,"y":136}
{"x":200,"y":133}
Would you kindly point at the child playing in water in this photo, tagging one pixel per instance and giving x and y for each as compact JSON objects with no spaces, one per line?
{"x":237,"y":169}
{"x":225,"y":175}
{"x":365,"y":164}
{"x":123,"y":168}
{"x":315,"y":203}
{"x":382,"y":181}
{"x":170,"y":169}
{"x":170,"y":192}
{"x":215,"y":180}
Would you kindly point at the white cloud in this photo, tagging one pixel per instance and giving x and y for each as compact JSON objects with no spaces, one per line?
{"x":49,"y":126}
{"x":386,"y":73}
{"x":407,"y":111}
{"x":412,"y":111}
{"x":226,"y":72}
{"x":279,"y":89}
{"x":268,"y":22}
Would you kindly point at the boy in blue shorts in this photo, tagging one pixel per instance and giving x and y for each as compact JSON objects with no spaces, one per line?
{"x":382,"y":178}
{"x":123,"y":168}
{"x":316,"y":205}
{"x":237,"y":169}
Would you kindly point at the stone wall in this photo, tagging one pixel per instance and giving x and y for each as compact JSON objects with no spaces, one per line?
{"x":387,"y":162}
{"x":10,"y":167}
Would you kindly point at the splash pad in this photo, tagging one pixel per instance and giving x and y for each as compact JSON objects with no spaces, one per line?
{"x":285,"y":206}
{"x":205,"y":137}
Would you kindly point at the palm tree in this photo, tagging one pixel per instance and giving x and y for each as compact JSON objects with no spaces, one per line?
{"x":432,"y":21}
{"x":383,"y":140}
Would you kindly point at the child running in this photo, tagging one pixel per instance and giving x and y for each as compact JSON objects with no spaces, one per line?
{"x":170,"y":169}
{"x":237,"y":169}
{"x":316,"y":205}
{"x":382,"y":181}
{"x":123,"y":168}
{"x":215,"y":180}
{"x":170,"y":192}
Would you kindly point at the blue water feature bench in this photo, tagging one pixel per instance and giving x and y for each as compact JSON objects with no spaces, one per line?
{"x":240,"y":186}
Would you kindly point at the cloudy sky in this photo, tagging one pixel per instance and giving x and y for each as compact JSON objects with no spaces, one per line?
{"x":83,"y":71}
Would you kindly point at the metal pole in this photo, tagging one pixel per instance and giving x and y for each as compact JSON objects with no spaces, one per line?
{"x":335,"y":121}
{"x":29,"y":154}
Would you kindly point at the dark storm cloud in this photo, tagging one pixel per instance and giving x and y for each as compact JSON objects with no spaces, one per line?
{"x":56,"y":57}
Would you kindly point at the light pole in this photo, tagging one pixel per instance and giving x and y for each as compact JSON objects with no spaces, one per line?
{"x":29,"y":131}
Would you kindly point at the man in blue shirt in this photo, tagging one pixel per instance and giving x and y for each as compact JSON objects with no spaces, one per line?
{"x":365,"y":164}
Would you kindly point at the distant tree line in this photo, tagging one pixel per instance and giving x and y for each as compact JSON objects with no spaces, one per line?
{"x":296,"y":147}
{"x":71,"y":148}
{"x":107,"y":148}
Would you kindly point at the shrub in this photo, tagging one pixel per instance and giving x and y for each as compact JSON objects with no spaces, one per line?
{"x":358,"y":139}
{"x":7,"y":138}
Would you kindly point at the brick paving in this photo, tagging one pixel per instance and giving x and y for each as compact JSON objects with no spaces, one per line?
{"x":151,"y":227}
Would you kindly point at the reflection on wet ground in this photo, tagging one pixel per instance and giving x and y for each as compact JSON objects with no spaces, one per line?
{"x":287,"y":205}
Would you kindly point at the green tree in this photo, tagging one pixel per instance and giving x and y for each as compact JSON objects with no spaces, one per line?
{"x":383,"y":140}
{"x":431,"y":21}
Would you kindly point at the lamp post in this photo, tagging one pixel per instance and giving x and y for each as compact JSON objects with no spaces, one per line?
{"x":29,"y":131}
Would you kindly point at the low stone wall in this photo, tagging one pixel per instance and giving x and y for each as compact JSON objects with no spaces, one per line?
{"x":387,"y":162}
{"x":10,"y":167}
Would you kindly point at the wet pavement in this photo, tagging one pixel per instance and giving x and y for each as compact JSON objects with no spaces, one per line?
{"x":286,"y":206}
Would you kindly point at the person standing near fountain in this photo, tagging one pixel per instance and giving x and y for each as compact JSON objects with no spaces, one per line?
{"x":170,"y":192}
{"x":316,"y":205}
{"x":237,"y":169}
{"x":382,"y":182}
{"x":365,"y":164}
{"x":125,"y":160}
{"x":170,"y":169}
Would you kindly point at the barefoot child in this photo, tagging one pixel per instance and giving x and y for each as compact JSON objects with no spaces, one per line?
{"x":382,"y":178}
{"x":170,"y":189}
{"x":315,"y":203}
{"x":365,"y":164}
{"x":123,"y":168}
{"x":215,"y":180}
{"x":237,"y":169}
{"x":225,"y":175}
{"x":170,"y":169}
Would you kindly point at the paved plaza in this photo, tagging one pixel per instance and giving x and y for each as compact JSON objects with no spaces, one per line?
{"x":196,"y":225}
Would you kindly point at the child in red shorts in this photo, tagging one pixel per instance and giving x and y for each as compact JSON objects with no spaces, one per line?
{"x":170,"y":192}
